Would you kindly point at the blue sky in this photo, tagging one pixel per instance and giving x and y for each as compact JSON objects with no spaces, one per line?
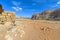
{"x":28,"y":7}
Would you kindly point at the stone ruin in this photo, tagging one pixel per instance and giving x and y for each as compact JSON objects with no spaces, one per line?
{"x":6,"y":16}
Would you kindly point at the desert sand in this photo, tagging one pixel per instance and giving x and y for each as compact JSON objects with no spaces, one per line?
{"x":30,"y":30}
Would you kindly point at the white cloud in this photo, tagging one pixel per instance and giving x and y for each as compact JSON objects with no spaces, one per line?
{"x":20,"y":8}
{"x":14,"y":7}
{"x":17,"y":8}
{"x":16,"y":3}
{"x":58,"y":2}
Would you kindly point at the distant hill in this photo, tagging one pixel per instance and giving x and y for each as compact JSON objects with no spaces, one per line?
{"x":47,"y":15}
{"x":20,"y":17}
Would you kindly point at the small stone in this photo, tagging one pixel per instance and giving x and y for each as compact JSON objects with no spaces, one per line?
{"x":8,"y":37}
{"x":42,"y":28}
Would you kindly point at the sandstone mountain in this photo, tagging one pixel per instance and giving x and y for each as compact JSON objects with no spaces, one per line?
{"x":48,"y":15}
{"x":36,"y":16}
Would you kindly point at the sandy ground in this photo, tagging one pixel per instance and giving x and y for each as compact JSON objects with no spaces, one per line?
{"x":31,"y":30}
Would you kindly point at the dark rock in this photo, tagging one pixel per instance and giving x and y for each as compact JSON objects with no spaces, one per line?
{"x":36,"y":16}
{"x":1,"y":9}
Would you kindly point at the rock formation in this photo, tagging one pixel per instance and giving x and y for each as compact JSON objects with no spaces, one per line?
{"x":1,"y":9}
{"x":6,"y":16}
{"x":36,"y":16}
{"x":56,"y":14}
{"x":48,"y":15}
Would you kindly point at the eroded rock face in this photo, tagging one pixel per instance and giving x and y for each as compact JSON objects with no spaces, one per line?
{"x":43,"y":15}
{"x":48,"y":15}
{"x":56,"y":14}
{"x":6,"y":16}
{"x":36,"y":16}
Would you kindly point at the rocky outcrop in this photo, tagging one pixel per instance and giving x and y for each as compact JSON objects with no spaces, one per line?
{"x":1,"y":9}
{"x":56,"y":14}
{"x":48,"y":15}
{"x":6,"y":16}
{"x":36,"y":16}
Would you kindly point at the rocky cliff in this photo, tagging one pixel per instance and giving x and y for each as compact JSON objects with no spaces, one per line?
{"x":48,"y":15}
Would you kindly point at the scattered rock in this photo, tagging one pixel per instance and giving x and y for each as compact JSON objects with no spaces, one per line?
{"x":42,"y":28}
{"x":8,"y":37}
